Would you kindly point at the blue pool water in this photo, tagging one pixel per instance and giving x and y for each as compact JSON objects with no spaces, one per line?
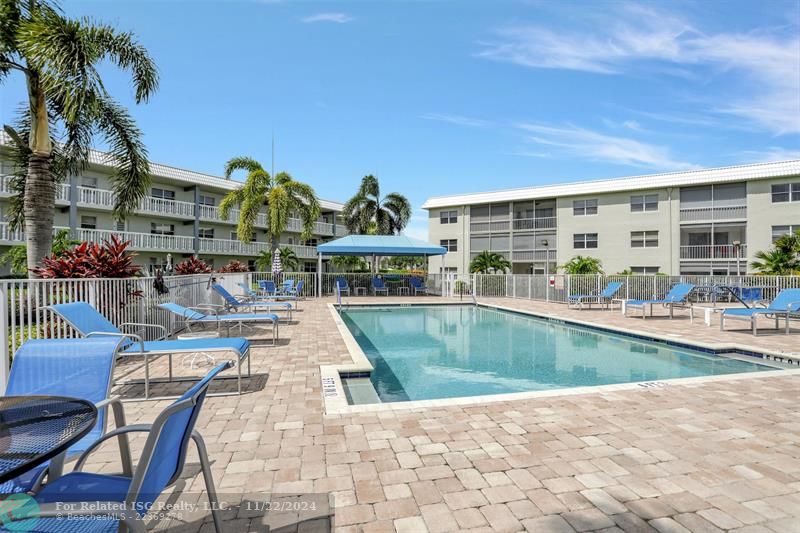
{"x":427,"y":352}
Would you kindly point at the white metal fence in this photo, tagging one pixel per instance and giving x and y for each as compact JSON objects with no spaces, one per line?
{"x":24,"y":303}
{"x":557,"y":288}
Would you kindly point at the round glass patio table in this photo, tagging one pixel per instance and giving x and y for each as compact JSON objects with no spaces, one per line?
{"x":34,"y":429}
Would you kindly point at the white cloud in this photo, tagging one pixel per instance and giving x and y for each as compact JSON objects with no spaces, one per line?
{"x":767,"y":64}
{"x":771,"y":153}
{"x":588,"y":144}
{"x":339,"y":18}
{"x":458,"y":120}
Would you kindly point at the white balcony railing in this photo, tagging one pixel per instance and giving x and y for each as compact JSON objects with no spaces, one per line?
{"x":713,"y":251}
{"x":62,"y":189}
{"x":341,"y":231}
{"x":159,"y":206}
{"x":535,"y":255}
{"x":697,"y":214}
{"x":534,"y":223}
{"x":140,"y":241}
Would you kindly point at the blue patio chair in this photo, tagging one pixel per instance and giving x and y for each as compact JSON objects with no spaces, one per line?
{"x":787,"y":302}
{"x":342,"y":286}
{"x":160,"y":464}
{"x":605,"y":296}
{"x":209,"y":314}
{"x":417,"y":285}
{"x":286,"y":286}
{"x":678,"y":296}
{"x":267,"y":287}
{"x":378,"y":286}
{"x":232,"y":304}
{"x":297,"y":290}
{"x":78,"y":368}
{"x":87,"y":321}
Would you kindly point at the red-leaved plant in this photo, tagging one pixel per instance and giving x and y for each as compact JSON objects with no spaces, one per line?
{"x":234,"y":266}
{"x":192,"y":265}
{"x":110,"y":259}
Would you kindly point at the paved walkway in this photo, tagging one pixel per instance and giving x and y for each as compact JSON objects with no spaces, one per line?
{"x":717,"y":456}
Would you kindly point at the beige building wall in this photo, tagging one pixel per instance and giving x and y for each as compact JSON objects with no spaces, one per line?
{"x":614,"y":223}
{"x":458,"y":231}
{"x":763,"y":214}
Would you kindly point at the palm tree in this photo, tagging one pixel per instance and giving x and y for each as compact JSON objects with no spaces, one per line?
{"x":60,"y":59}
{"x":783,"y":259}
{"x":289,"y":260}
{"x":486,"y":262}
{"x":282,"y":195}
{"x":583,"y":265}
{"x":349,"y":263}
{"x":367,"y":213}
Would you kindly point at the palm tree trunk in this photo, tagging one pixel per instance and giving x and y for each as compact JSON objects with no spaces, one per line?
{"x":39,"y":208}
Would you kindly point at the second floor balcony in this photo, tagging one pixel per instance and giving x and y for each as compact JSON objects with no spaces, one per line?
{"x":705,"y":214}
{"x":528,"y":224}
{"x":714,"y":251}
{"x":166,"y":243}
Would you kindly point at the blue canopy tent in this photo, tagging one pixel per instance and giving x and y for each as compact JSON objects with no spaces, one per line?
{"x":373,"y":246}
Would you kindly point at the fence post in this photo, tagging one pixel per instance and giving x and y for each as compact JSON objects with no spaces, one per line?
{"x":568,"y":284}
{"x":475,"y":285}
{"x":547,"y":288}
{"x":4,"y":326}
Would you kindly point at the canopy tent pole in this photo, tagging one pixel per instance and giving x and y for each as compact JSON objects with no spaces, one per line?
{"x":319,"y":274}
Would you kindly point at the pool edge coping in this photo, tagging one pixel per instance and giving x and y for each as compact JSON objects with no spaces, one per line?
{"x":335,"y":400}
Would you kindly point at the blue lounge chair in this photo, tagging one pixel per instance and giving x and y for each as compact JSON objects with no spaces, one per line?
{"x":603,"y":297}
{"x":342,"y":286}
{"x":296,"y":290}
{"x":286,"y":286}
{"x":78,"y":368}
{"x":676,"y":297}
{"x":232,"y":304}
{"x":787,"y":302}
{"x":417,"y":285}
{"x":87,"y":321}
{"x":160,"y":465}
{"x":267,"y":287}
{"x":210,"y":315}
{"x":378,"y":286}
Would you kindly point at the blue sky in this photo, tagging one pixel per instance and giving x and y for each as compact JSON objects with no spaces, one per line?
{"x":445,"y":97}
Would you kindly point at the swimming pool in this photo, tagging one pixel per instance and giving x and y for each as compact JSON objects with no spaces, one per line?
{"x":447,"y":351}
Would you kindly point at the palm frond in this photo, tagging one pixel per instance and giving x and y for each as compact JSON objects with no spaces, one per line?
{"x":241,"y":163}
{"x":123,"y":50}
{"x":231,"y":200}
{"x":131,"y":176}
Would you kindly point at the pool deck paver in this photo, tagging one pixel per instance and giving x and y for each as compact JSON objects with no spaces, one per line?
{"x":722,"y":455}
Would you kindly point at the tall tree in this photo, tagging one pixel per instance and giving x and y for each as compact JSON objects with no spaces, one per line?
{"x":368,"y":213}
{"x":282,"y":195}
{"x":59,"y":58}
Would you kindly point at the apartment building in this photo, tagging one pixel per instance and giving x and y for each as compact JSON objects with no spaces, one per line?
{"x":179,"y":216}
{"x":709,"y":221}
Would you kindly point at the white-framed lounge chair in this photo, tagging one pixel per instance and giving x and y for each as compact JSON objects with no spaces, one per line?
{"x":786,"y":303}
{"x":210,"y":315}
{"x":88,"y":322}
{"x":678,"y":296}
{"x":77,"y":368}
{"x":378,"y":286}
{"x":417,"y":285}
{"x":232,"y":304}
{"x":603,"y":297}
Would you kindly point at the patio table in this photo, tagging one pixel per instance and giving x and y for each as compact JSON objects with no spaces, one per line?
{"x":34,"y":429}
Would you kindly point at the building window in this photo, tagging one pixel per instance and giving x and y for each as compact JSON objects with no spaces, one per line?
{"x":584,"y":240}
{"x":780,"y":231}
{"x":644,"y":202}
{"x":119,"y":225}
{"x":448,"y":217}
{"x":644,"y":239}
{"x":162,"y":229}
{"x":450,"y":244}
{"x":207,"y":200}
{"x":206,"y":233}
{"x":786,"y":192}
{"x":88,"y":222}
{"x":645,"y":271}
{"x":89,"y":183}
{"x":584,"y":207}
{"x":163,"y":194}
